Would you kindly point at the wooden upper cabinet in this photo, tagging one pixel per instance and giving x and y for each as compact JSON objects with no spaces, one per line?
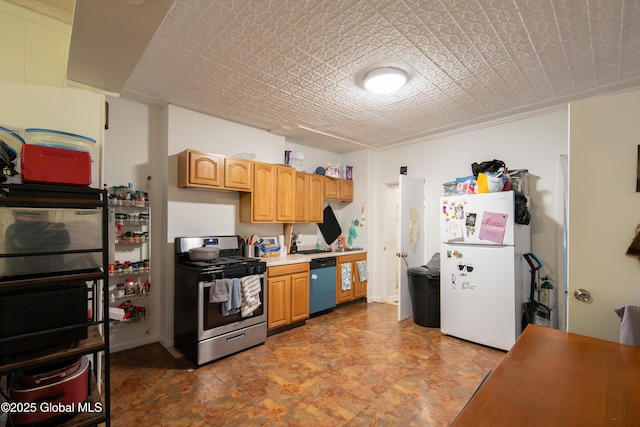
{"x":331,"y":188}
{"x":198,"y":169}
{"x":268,"y":192}
{"x":315,"y":198}
{"x":272,"y":197}
{"x":302,"y":201}
{"x":309,"y":197}
{"x":285,"y":194}
{"x":263,"y":197}
{"x":338,"y":189}
{"x":238,"y":174}
{"x":346,"y":190}
{"x":205,"y":170}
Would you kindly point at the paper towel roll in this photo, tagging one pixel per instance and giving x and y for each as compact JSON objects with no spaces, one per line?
{"x":281,"y":240}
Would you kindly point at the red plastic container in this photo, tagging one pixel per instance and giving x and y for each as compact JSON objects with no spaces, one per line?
{"x":51,"y":165}
{"x":56,"y":395}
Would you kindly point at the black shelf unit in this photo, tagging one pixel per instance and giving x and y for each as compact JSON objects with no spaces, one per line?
{"x":36,"y":196}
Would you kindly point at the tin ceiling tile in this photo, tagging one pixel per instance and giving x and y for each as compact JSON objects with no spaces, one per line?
{"x":301,"y":63}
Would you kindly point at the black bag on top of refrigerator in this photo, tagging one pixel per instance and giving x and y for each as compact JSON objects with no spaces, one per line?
{"x":488,"y":166}
{"x":522,"y":214}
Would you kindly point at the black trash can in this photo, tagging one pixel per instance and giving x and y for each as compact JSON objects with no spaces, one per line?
{"x":424,"y":289}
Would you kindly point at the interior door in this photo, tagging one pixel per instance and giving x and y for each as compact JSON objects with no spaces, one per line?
{"x":391,"y":242}
{"x":412,"y":237}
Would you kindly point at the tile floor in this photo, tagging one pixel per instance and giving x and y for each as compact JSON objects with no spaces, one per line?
{"x":355,"y":366}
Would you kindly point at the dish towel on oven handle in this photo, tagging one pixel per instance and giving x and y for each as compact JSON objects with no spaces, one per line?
{"x":250,"y":287}
{"x":235,"y":300}
{"x":346,"y":276}
{"x":220,"y":290}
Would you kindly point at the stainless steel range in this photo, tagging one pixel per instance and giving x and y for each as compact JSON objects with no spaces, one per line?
{"x":219,"y":305}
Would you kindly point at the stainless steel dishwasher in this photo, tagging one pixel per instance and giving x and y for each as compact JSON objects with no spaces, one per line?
{"x":322,"y":284}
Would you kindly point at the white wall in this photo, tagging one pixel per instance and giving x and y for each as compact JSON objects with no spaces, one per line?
{"x":127,"y":144}
{"x":144,"y":141}
{"x":360,"y":161}
{"x":193,"y":212}
{"x":128,"y":152}
{"x":33,"y":85}
{"x":534,"y":143}
{"x":604,"y":210}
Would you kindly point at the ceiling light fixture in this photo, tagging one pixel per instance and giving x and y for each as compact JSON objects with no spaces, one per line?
{"x":385,"y":80}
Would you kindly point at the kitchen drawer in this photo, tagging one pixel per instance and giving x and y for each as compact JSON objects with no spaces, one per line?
{"x":352,"y":258}
{"x":282,"y":270}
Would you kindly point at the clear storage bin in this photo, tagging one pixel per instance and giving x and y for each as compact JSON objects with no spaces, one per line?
{"x":39,"y":240}
{"x":520,"y":181}
{"x":450,"y":188}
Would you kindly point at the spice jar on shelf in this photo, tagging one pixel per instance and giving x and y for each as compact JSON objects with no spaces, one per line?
{"x":140,"y":198}
{"x":129,"y":287}
{"x":119,"y":293}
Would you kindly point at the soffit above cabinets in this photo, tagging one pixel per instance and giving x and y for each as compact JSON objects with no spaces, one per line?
{"x":109,"y":37}
{"x":61,"y":10}
{"x":295,"y":68}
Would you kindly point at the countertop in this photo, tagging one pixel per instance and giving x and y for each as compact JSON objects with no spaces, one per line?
{"x":550,"y":377}
{"x":299,"y":258}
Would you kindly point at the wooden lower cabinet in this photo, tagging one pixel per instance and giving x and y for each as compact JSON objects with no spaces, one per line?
{"x":358,"y":287}
{"x":287,"y":294}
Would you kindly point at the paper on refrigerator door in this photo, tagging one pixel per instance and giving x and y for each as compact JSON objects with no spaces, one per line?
{"x":452,"y":215}
{"x":493,"y":227}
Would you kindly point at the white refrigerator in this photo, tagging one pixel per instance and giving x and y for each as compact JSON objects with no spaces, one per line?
{"x":483,"y":275}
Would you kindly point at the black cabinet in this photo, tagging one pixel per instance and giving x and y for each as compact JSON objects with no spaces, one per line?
{"x":53,"y":292}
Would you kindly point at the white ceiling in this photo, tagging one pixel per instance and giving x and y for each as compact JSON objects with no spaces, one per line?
{"x":295,"y":67}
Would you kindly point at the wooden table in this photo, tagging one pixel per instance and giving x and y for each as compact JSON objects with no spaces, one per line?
{"x":554,"y":378}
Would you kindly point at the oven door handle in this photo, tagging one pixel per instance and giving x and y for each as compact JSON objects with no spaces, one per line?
{"x":200,"y":310}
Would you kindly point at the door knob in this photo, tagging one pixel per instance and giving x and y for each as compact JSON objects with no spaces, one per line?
{"x":582,"y":295}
